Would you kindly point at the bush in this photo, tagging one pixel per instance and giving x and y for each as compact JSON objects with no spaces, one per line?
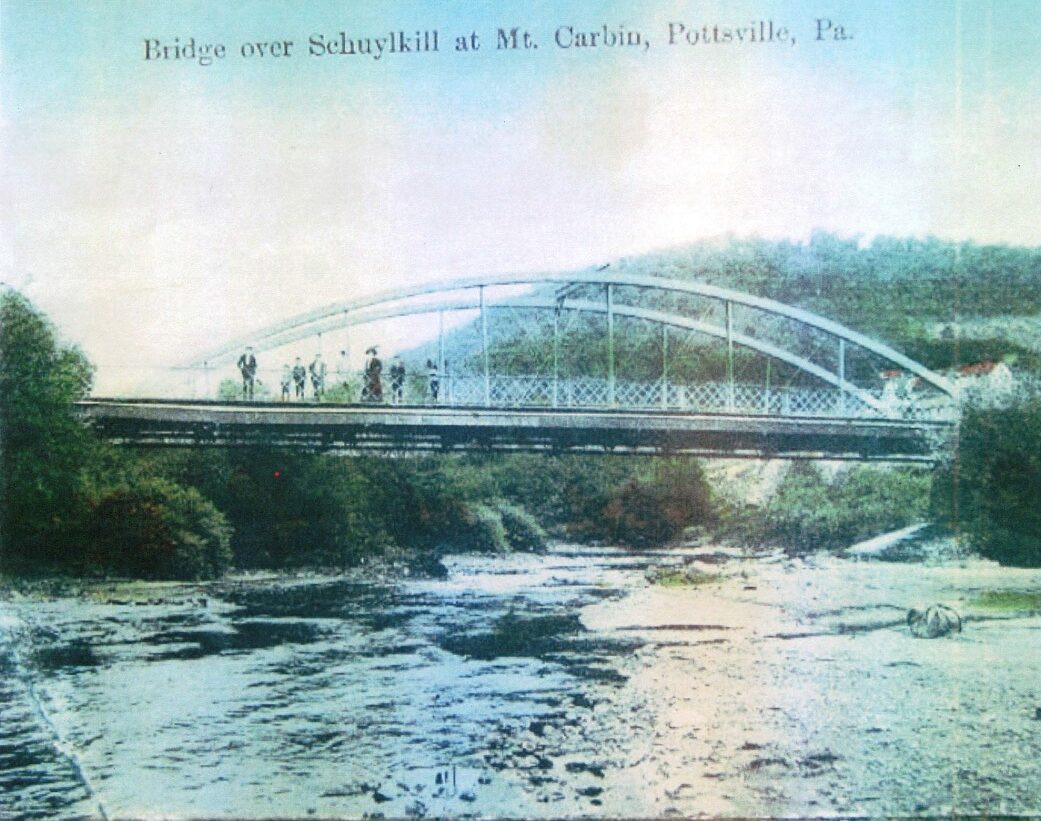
{"x":523,"y":532}
{"x":801,"y":516}
{"x":876,"y":500}
{"x":482,"y":531}
{"x":645,"y":512}
{"x":991,"y":491}
{"x":157,"y":529}
{"x":290,"y":509}
{"x":809,"y":513}
{"x":560,"y":490}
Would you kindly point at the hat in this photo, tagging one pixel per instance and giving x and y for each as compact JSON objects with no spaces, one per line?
{"x":371,"y":350}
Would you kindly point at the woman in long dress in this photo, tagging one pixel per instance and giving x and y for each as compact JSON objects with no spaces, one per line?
{"x":373,"y":371}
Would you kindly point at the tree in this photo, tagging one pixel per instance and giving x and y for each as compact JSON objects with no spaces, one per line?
{"x":45,"y":449}
{"x":991,"y":491}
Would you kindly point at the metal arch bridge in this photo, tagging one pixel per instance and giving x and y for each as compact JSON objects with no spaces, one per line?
{"x":838,"y":418}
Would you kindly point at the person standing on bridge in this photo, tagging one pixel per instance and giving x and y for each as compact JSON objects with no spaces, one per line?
{"x":343,"y":372}
{"x":397,"y":380}
{"x":433,"y":380}
{"x":287,"y":379}
{"x":373,"y":369}
{"x":248,"y":368}
{"x":299,"y":377}
{"x":318,"y":371}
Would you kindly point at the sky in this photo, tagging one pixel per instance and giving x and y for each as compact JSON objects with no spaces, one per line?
{"x":154,"y":208}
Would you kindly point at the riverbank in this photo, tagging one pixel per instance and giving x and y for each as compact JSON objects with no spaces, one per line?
{"x":377,"y":570}
{"x":690,"y":562}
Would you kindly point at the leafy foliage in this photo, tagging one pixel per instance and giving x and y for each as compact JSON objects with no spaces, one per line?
{"x":809,"y":513}
{"x":523,"y":532}
{"x":481,"y":530}
{"x":45,"y":448}
{"x":69,"y":502}
{"x":157,"y":529}
{"x":286,"y":509}
{"x":992,"y":490}
{"x":561,"y":490}
{"x":653,"y":510}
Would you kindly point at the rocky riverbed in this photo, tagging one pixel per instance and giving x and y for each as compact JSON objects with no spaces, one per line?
{"x":563,"y":684}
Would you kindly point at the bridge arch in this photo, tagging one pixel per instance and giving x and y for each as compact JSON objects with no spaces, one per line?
{"x":395,"y":303}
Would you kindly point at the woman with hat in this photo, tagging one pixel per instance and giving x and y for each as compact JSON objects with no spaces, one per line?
{"x":373,"y":368}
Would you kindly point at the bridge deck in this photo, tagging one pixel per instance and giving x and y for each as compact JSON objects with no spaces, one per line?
{"x":357,"y":429}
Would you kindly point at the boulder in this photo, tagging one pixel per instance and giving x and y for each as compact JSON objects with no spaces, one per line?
{"x":932,"y":622}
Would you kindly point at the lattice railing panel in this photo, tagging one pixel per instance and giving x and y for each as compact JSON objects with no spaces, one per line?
{"x":638,"y":394}
{"x":700,"y":397}
{"x":521,"y":391}
{"x":592,"y":392}
{"x":589,"y":392}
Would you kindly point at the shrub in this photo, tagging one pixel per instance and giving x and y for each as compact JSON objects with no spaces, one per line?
{"x":991,"y":491}
{"x":650,"y":511}
{"x":809,"y":513}
{"x":559,"y":490}
{"x":876,"y":500}
{"x":158,"y":529}
{"x":523,"y":532}
{"x":482,"y":531}
{"x":800,"y":514}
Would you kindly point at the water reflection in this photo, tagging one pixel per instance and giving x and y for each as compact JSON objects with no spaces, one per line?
{"x":328,"y":696}
{"x":523,"y":686}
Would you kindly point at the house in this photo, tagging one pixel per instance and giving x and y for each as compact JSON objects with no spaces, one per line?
{"x":986,"y":381}
{"x":896,"y":386}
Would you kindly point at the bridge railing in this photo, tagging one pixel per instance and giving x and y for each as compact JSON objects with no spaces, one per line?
{"x":591,"y":392}
{"x":545,"y":391}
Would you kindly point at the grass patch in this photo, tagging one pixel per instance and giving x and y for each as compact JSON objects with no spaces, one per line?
{"x":684,"y":577}
{"x":1008,"y":600}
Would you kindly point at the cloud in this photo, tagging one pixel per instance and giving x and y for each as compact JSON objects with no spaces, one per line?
{"x":158,"y":224}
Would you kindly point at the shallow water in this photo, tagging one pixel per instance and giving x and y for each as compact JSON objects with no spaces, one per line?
{"x":526,"y":685}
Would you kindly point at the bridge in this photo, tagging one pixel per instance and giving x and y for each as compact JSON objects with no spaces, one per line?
{"x":581,"y":384}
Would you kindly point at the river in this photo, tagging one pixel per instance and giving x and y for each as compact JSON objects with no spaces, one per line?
{"x":523,"y":685}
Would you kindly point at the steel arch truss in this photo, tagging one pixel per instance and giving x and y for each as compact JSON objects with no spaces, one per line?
{"x":458,"y":295}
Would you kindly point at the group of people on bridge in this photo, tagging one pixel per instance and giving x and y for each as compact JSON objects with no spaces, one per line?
{"x":294,"y":379}
{"x":372,"y":386}
{"x":297,"y":376}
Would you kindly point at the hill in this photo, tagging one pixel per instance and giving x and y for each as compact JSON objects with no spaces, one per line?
{"x":940,"y":302}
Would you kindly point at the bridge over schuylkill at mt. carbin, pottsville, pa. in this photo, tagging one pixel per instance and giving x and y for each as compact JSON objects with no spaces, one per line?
{"x":843,"y":414}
